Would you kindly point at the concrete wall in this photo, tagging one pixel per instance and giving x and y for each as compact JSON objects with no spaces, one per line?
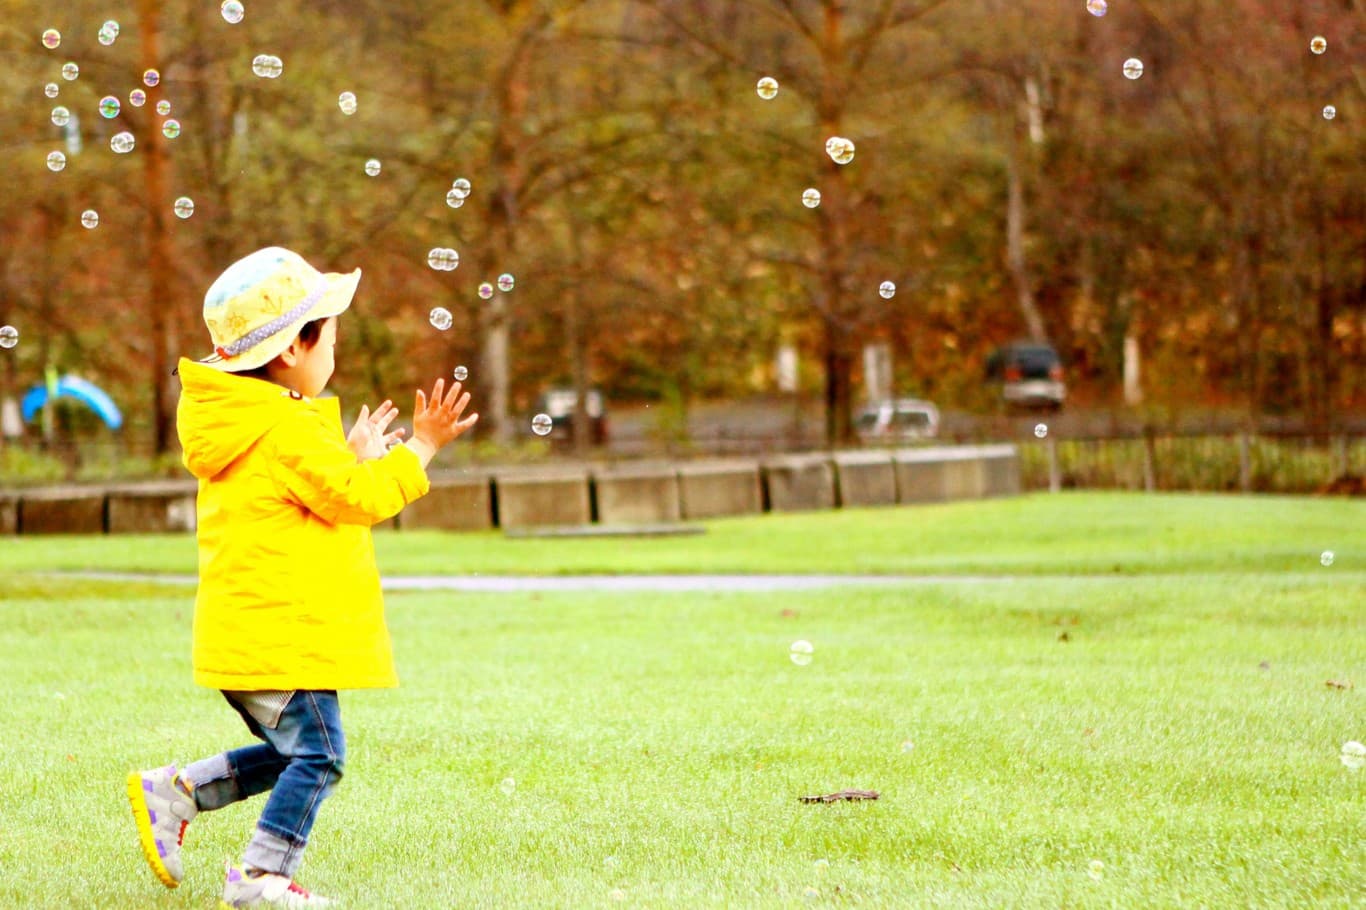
{"x":716,"y":488}
{"x":457,"y":501}
{"x":572,"y":495}
{"x":637,"y":494}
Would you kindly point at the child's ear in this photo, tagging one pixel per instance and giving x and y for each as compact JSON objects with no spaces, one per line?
{"x":290,"y":355}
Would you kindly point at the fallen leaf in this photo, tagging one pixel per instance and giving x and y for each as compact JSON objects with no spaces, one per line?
{"x":1063,"y":636}
{"x":1339,"y":684}
{"x":843,"y":794}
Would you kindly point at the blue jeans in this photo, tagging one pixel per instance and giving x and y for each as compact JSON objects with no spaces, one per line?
{"x":299,"y":762}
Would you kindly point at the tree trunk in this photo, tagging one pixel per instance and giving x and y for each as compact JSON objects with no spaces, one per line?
{"x":1015,"y":251}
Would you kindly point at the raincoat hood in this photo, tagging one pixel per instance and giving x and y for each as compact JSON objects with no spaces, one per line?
{"x":222,"y":415}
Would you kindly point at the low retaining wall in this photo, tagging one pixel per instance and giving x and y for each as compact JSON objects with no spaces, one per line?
{"x":646,"y":493}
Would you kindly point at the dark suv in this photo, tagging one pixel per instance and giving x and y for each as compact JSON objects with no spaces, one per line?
{"x":1030,"y":374}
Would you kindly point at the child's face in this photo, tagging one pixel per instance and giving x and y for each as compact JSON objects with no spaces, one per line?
{"x":313,"y":366}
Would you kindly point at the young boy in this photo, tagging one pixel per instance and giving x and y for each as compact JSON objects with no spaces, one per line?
{"x":289,"y":608}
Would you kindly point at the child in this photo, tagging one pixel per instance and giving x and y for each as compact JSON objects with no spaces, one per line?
{"x":289,"y":608}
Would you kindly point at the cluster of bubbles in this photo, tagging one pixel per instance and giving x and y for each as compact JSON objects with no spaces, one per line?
{"x":840,"y":150}
{"x":541,"y":424}
{"x":458,"y":193}
{"x":1097,"y":7}
{"x":373,"y":167}
{"x":184,"y":207}
{"x":232,"y":11}
{"x":801,"y":652}
{"x":9,"y":336}
{"x":443,"y":259}
{"x":1353,"y":754}
{"x":811,"y":197}
{"x":440,"y":318}
{"x":267,"y":66}
{"x":1133,"y":68}
{"x":767,"y":88}
{"x":109,"y":33}
{"x":347,"y":102}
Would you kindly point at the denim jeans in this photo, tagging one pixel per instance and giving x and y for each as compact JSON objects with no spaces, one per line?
{"x":299,"y":762}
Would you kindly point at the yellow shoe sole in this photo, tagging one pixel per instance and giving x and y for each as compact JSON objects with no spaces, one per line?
{"x":145,"y":836}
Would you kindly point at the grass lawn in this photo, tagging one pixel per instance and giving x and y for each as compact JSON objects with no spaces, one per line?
{"x":1168,"y":720}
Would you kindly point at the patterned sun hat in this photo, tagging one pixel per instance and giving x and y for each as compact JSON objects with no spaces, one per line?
{"x":257,"y":306}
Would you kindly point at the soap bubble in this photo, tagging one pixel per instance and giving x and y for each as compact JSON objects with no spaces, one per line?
{"x":232,"y":11}
{"x":1329,"y":112}
{"x":907,"y":745}
{"x":454,"y":199}
{"x":1317,"y":44}
{"x":170,"y":129}
{"x":443,"y":259}
{"x":109,"y":107}
{"x":461,"y":374}
{"x":1097,"y":7}
{"x":461,"y":186}
{"x":801,"y":652}
{"x":440,"y":318}
{"x":887,"y":290}
{"x":184,"y":207}
{"x":347,"y":102}
{"x":811,"y":893}
{"x":767,"y":88}
{"x":1326,"y":558}
{"x":1353,"y":753}
{"x":373,"y":167}
{"x":1096,"y":869}
{"x":840,"y":150}
{"x":109,"y":33}
{"x":506,"y":282}
{"x":1040,"y":430}
{"x":507,"y":786}
{"x":811,"y":197}
{"x":1133,"y":68}
{"x":137,"y":97}
{"x":485,"y":290}
{"x":122,"y":143}
{"x":267,"y":66}
{"x":52,"y":39}
{"x":9,"y":336}
{"x":151,"y":78}
{"x":55,"y":161}
{"x":163,"y":107}
{"x":541,"y":424}
{"x":70,"y":71}
{"x":60,"y":116}
{"x":52,"y":90}
{"x":90,"y":219}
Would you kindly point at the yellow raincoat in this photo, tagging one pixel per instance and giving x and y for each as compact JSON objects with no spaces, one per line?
{"x":289,"y":594}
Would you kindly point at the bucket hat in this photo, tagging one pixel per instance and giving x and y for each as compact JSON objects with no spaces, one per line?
{"x":254,"y":310}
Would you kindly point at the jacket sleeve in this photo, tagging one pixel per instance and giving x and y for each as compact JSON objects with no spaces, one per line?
{"x":316,"y":470}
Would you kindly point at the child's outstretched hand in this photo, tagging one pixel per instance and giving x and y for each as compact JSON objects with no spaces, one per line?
{"x":438,"y":421}
{"x":368,"y":438}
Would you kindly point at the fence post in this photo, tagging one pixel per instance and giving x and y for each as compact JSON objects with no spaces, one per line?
{"x":1245,"y":461}
{"x":1341,"y":462}
{"x":1054,"y":470}
{"x":1149,"y":460}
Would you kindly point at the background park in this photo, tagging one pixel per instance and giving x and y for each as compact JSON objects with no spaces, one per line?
{"x":1140,"y":689}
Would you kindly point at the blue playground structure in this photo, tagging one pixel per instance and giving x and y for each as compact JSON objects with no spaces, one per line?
{"x":80,"y":389}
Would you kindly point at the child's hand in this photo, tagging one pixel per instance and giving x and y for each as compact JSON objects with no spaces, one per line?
{"x":368,"y":438}
{"x":439,"y":422}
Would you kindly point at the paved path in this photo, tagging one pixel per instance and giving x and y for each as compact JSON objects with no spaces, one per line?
{"x":517,"y":583}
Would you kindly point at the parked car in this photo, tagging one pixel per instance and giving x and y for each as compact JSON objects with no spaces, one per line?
{"x":897,"y":420}
{"x":559,"y":404}
{"x":1030,"y":374}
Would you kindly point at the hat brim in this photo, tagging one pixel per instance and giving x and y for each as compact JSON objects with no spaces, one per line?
{"x":341,"y":288}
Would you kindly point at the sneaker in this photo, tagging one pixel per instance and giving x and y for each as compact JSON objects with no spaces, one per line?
{"x":266,"y":889}
{"x":162,"y":807}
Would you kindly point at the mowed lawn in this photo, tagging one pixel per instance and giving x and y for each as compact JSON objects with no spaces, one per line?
{"x":1135,"y":710}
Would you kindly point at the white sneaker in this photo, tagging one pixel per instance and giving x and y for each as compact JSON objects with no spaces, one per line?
{"x":162,"y":809}
{"x":266,"y":889}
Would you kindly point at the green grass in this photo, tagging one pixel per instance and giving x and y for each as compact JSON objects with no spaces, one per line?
{"x":659,"y":742}
{"x":1036,"y":534}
